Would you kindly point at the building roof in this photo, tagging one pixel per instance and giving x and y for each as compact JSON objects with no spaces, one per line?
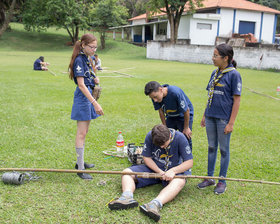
{"x":232,"y":4}
{"x":238,"y":4}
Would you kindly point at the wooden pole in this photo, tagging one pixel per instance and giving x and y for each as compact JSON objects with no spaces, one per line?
{"x":139,"y":174}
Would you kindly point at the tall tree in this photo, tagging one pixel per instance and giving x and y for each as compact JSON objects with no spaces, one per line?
{"x":7,"y":8}
{"x":73,"y":15}
{"x":174,"y":10}
{"x":135,"y":7}
{"x":107,"y":13}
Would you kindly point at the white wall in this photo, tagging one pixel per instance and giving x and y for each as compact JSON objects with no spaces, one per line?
{"x":245,"y":57}
{"x":226,"y":23}
{"x":188,"y":29}
{"x":203,"y":36}
{"x":168,"y":30}
{"x":250,"y":16}
{"x":267,"y":28}
{"x":184,"y":27}
{"x":138,"y":21}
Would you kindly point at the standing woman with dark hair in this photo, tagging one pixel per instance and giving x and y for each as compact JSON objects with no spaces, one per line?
{"x":224,"y":91}
{"x":85,"y":107}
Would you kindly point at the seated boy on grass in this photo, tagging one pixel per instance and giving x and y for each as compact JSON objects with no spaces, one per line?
{"x":166,"y":152}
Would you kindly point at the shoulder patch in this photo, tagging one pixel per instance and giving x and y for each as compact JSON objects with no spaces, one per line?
{"x":239,"y":85}
{"x":78,"y":69}
{"x":145,"y":147}
{"x":188,"y":149}
{"x":182,"y":104}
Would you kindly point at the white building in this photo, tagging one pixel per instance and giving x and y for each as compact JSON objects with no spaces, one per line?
{"x":217,"y":18}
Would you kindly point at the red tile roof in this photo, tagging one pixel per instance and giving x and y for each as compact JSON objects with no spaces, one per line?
{"x":238,"y":4}
{"x":232,"y":4}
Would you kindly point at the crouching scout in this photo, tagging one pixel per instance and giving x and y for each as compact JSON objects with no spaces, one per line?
{"x":166,"y":152}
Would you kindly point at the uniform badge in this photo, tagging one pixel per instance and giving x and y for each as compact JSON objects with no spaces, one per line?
{"x":78,"y":69}
{"x":239,"y":85}
{"x":183,"y":104}
{"x":188,"y":149}
{"x":144,"y":148}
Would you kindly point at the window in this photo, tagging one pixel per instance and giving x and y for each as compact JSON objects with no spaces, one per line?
{"x":204,"y":26}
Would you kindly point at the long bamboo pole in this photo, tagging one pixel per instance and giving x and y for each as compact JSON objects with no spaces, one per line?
{"x":139,"y":174}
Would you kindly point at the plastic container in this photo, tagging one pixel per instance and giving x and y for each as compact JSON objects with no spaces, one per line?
{"x":120,"y":144}
{"x":278,"y":91}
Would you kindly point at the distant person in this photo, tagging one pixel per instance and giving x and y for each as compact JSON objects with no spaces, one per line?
{"x":224,"y":91}
{"x":85,"y":107}
{"x":175,"y":108}
{"x":164,"y":153}
{"x":40,"y":64}
{"x":97,"y":62}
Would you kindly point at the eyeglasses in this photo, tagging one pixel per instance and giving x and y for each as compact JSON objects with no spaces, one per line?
{"x":92,"y":47}
{"x":216,"y":56}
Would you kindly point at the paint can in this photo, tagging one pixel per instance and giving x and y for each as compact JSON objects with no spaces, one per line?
{"x":13,"y":178}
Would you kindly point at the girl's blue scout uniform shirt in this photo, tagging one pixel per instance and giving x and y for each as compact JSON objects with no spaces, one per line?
{"x":175,"y":103}
{"x":228,"y":86}
{"x":82,"y":109}
{"x":179,"y":151}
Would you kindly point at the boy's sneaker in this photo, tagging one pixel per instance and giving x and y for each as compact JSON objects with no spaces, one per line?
{"x":151,"y":210}
{"x":206,"y":183}
{"x":220,"y":188}
{"x":122,"y":203}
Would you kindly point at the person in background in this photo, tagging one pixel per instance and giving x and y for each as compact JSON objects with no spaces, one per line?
{"x":85,"y":107}
{"x":224,"y":91}
{"x":40,"y":64}
{"x":97,"y":62}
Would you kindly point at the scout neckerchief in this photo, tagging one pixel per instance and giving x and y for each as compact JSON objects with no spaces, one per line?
{"x":91,"y":66}
{"x":215,"y":81}
{"x":90,"y":75}
{"x":172,"y":132}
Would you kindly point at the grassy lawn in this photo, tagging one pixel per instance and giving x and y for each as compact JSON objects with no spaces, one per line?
{"x":36,"y":132}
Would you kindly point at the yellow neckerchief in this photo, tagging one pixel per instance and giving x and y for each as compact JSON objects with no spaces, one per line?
{"x":215,"y":81}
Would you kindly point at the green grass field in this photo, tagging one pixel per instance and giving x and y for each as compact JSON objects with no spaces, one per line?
{"x":36,"y":132}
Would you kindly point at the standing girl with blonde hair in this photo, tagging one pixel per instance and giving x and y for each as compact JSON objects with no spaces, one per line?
{"x":85,"y":107}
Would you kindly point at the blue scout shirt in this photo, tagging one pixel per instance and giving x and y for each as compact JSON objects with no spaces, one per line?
{"x":82,"y":68}
{"x":37,"y":65}
{"x":175,"y":103}
{"x":228,"y":86}
{"x":179,"y":151}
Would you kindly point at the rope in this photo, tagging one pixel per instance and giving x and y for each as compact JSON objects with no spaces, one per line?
{"x":262,"y":94}
{"x":139,"y":174}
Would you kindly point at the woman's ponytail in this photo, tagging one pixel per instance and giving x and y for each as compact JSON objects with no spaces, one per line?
{"x":234,"y":63}
{"x":76,"y":50}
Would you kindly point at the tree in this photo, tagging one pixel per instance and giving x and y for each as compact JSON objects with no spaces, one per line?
{"x":7,"y":8}
{"x":174,"y":10}
{"x":135,"y":7}
{"x":107,"y":13}
{"x":72,"y":15}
